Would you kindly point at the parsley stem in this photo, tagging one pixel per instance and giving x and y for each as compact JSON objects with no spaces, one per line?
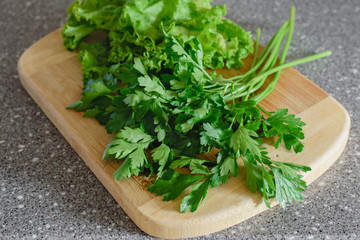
{"x":270,"y":63}
{"x":265,"y":53}
{"x":274,"y":54}
{"x":226,"y":88}
{"x":256,"y":47}
{"x":285,"y":50}
{"x":290,"y":34}
{"x":271,"y":86}
{"x":211,"y":86}
{"x":263,"y":110}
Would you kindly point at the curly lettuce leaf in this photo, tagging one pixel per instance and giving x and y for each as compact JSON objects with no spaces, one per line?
{"x":136,"y":29}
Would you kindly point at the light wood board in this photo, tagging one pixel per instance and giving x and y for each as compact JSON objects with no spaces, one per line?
{"x":52,"y":77}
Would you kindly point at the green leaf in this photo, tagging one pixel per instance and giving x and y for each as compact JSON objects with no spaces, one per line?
{"x":161,"y":155}
{"x":90,"y":113}
{"x":128,"y":76}
{"x":152,"y":85}
{"x":196,"y":167}
{"x":213,"y":132}
{"x":293,"y":142}
{"x":133,"y":151}
{"x":134,"y":135}
{"x":138,"y":158}
{"x":288,"y":169}
{"x":130,"y":143}
{"x":99,"y":87}
{"x":254,"y":124}
{"x":215,"y":135}
{"x":195,"y":197}
{"x":94,"y":64}
{"x":139,"y":66}
{"x":104,"y":14}
{"x":176,"y":85}
{"x":120,"y":148}
{"x":254,"y":179}
{"x":172,"y":184}
{"x":287,"y":188}
{"x":160,"y":133}
{"x":284,"y":122}
{"x":216,"y":179}
{"x":73,"y":34}
{"x":198,"y":76}
{"x":289,"y":127}
{"x":242,"y":139}
{"x":229,"y":165}
{"x":125,"y":171}
{"x":119,"y":118}
{"x":74,"y":104}
{"x":195,"y":164}
{"x":196,"y":51}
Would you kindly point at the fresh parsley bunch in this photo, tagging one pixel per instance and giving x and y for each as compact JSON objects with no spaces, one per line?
{"x":166,"y":118}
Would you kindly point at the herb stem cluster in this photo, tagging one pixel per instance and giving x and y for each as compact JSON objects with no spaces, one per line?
{"x":262,"y":67}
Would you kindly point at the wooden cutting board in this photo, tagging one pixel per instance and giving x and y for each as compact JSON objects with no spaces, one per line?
{"x":52,"y":77}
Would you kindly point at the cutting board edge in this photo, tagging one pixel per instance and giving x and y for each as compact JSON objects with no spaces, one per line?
{"x":25,"y":80}
{"x":337,"y":147}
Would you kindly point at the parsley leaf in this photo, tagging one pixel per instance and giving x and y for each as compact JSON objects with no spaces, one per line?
{"x":172,"y":184}
{"x":162,"y":155}
{"x":243,"y":139}
{"x":129,"y":143}
{"x":151,"y":85}
{"x":195,"y":197}
{"x":288,"y":127}
{"x":195,"y":165}
{"x":288,"y":188}
{"x":134,"y":135}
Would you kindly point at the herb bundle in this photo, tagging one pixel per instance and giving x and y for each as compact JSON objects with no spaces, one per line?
{"x":166,"y":109}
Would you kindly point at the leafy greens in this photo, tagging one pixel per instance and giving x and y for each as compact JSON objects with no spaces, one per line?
{"x":147,"y":82}
{"x":136,"y":30}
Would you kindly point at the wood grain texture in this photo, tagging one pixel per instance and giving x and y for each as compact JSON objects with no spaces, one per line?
{"x":52,"y":77}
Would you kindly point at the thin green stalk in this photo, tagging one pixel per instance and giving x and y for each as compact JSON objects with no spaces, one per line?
{"x":263,"y":110}
{"x":256,"y":47}
{"x":211,"y":86}
{"x":283,"y":54}
{"x":274,"y":54}
{"x":237,"y":91}
{"x":273,"y":57}
{"x":265,"y":53}
{"x":282,"y":28}
{"x":269,"y":64}
{"x":293,"y":63}
{"x":271,"y":86}
{"x":290,"y":34}
{"x":271,"y":53}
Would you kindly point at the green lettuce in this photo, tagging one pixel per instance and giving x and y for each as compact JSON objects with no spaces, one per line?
{"x":138,"y":29}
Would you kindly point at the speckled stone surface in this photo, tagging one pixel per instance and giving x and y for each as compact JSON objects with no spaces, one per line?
{"x":47,"y":192}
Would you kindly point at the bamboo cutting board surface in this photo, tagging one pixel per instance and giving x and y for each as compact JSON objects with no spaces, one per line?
{"x":52,"y":77}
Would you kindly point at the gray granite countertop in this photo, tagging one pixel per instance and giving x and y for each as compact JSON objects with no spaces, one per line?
{"x":48,"y":192}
